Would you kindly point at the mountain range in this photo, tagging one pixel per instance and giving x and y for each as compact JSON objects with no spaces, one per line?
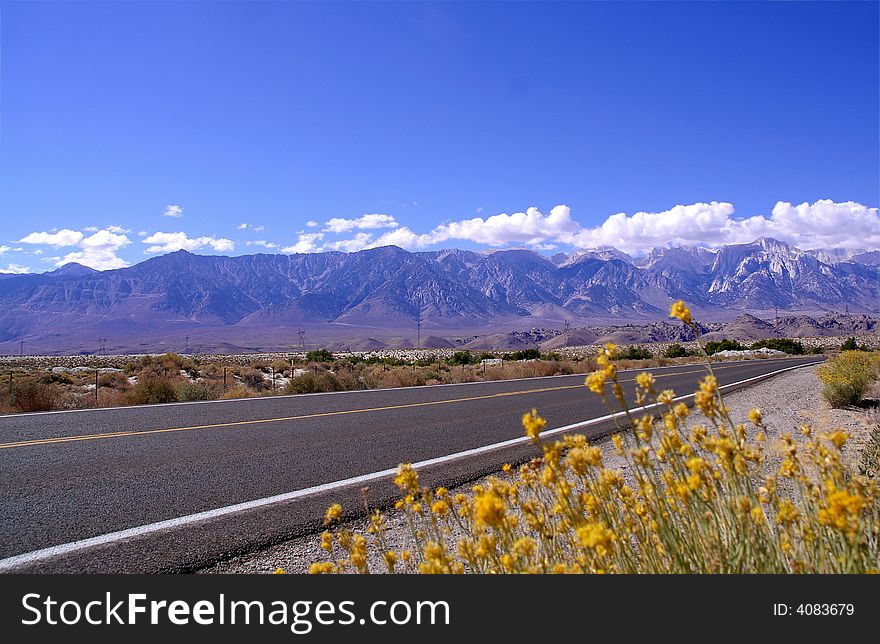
{"x":258,"y":302}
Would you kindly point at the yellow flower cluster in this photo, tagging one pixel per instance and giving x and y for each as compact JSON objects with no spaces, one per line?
{"x":703,"y":498}
{"x":533,"y":424}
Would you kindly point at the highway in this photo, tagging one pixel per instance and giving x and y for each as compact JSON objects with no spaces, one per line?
{"x":171,"y":488}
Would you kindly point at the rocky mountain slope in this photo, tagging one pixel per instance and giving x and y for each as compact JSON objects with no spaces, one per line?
{"x":379,"y":291}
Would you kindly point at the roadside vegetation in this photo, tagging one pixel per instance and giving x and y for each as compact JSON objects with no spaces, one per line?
{"x":704,"y":494}
{"x":175,"y":378}
{"x":847,"y":376}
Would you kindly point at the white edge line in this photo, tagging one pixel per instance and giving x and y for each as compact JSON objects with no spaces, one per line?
{"x":366,"y":391}
{"x":74,"y":546}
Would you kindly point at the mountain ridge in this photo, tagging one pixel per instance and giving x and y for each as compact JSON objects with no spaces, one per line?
{"x":389,"y":288}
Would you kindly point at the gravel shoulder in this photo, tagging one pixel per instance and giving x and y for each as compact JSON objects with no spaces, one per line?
{"x":787,"y":402}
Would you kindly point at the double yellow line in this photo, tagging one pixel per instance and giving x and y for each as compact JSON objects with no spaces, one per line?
{"x":144,"y":432}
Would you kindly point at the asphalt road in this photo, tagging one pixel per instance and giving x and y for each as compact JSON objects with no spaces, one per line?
{"x":69,"y":476}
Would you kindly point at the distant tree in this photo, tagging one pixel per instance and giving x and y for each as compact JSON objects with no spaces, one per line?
{"x":460,"y":358}
{"x":319,"y":355}
{"x":633,"y":353}
{"x":676,"y":351}
{"x":851,"y":345}
{"x":525,"y":354}
{"x":715,"y":346}
{"x":785,"y":345}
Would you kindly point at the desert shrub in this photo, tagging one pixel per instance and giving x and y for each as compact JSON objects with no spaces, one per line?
{"x":280,"y":366}
{"x":311,"y":383}
{"x":239,"y":391}
{"x":56,"y":378}
{"x":401,"y":377}
{"x":850,"y":344}
{"x":524,"y":354}
{"x":714,"y":346}
{"x":633,"y":353}
{"x":319,"y":355}
{"x":869,"y":464}
{"x":460,"y":358}
{"x":151,"y":390}
{"x":786,"y":345}
{"x":113,"y":380}
{"x":190,"y":391}
{"x":175,"y":362}
{"x":847,"y":376}
{"x":706,"y":497}
{"x":676,"y":351}
{"x":32,"y":395}
{"x":253,"y":378}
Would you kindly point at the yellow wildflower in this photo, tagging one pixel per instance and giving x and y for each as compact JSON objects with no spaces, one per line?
{"x":334,"y":513}
{"x":646,"y":381}
{"x":756,"y":417}
{"x":533,"y":424}
{"x":596,"y":537}
{"x":489,"y":509}
{"x":407,"y":478}
{"x":680,"y":311}
{"x":441,"y":508}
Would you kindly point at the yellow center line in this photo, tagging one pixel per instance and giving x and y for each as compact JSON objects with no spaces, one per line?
{"x":89,"y":437}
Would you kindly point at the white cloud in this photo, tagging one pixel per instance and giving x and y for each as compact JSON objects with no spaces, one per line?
{"x":503,"y":229}
{"x":364,"y":222}
{"x":173,"y":211}
{"x":261,"y":242}
{"x":97,"y":251}
{"x":3,"y":249}
{"x":305,"y":244}
{"x":15,"y":269}
{"x":825,"y":224}
{"x":700,"y":223}
{"x":403,"y":237}
{"x":480,"y":209}
{"x":242,"y":226}
{"x":118,"y":229}
{"x":311,"y":223}
{"x":358,"y":242}
{"x":142,"y":233}
{"x":170,"y":242}
{"x":64,"y":237}
{"x":91,"y":229}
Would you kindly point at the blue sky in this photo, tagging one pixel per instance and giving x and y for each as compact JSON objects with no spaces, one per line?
{"x":475,"y":125}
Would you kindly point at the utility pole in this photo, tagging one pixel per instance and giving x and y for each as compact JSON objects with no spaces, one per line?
{"x":21,"y":347}
{"x":302,"y":339}
{"x":419,"y":330}
{"x":102,"y":346}
{"x":186,"y":350}
{"x":96,"y":387}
